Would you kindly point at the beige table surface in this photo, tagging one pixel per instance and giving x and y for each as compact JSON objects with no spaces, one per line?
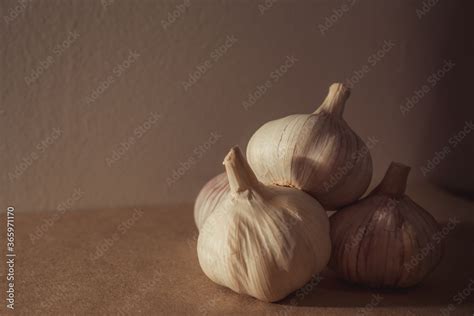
{"x":151,"y":268}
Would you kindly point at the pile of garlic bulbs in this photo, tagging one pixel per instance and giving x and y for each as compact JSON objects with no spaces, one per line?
{"x":263,"y":229}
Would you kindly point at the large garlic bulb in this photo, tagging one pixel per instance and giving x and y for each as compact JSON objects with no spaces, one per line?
{"x":263,"y":241}
{"x":318,"y":153}
{"x":385,"y":239}
{"x":209,"y":198}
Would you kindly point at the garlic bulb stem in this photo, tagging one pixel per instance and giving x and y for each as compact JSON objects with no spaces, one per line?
{"x":241,"y":177}
{"x":335,"y":100}
{"x":394,"y":182}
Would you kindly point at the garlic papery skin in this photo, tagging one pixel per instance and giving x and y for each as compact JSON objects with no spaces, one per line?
{"x":209,"y":198}
{"x":385,"y":239}
{"x":263,"y":241}
{"x":318,"y":153}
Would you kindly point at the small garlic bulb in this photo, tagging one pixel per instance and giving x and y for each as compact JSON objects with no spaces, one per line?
{"x":385,"y":239}
{"x":263,"y":241}
{"x":209,"y":197}
{"x":318,"y":153}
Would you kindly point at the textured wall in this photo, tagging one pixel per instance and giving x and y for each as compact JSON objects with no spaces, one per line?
{"x":119,"y":103}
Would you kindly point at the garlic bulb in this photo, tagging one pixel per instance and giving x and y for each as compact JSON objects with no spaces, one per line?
{"x":385,"y":239}
{"x":209,"y":198}
{"x":318,"y":153}
{"x":263,"y":241}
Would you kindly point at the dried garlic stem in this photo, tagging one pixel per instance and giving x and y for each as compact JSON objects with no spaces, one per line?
{"x":335,"y":100}
{"x":394,"y":182}
{"x":241,"y":177}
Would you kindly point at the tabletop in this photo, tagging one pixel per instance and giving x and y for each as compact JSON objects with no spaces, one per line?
{"x":142,"y":260}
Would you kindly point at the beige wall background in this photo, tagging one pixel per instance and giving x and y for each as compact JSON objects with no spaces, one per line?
{"x":82,"y":79}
